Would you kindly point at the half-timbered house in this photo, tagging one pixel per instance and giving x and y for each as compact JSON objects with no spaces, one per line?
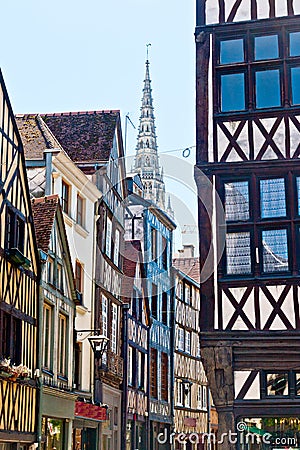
{"x":191,"y":406}
{"x":51,"y":171}
{"x":93,"y":141}
{"x":57,"y":318}
{"x":248,"y":144}
{"x":136,"y":348}
{"x":19,"y":281}
{"x":151,"y":225}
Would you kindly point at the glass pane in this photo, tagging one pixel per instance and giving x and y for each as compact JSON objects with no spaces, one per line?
{"x":295,"y":79}
{"x":298,"y":192}
{"x":232,"y":51}
{"x":272,"y":198}
{"x":238,"y":255}
{"x":233,"y":92}
{"x":268,"y":89}
{"x":275,"y":251}
{"x":266,"y":47}
{"x":295,"y":44}
{"x":237,"y":200}
{"x":277,"y":384}
{"x":297,"y":383}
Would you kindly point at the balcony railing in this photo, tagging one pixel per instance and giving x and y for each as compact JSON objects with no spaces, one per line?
{"x":113,"y":364}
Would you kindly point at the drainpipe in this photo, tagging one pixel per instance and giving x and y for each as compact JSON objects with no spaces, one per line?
{"x":208,"y":419}
{"x":125,"y":308}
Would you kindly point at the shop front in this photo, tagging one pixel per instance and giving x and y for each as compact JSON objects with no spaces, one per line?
{"x":88,"y":418}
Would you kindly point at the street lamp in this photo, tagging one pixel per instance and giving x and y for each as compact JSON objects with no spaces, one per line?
{"x":99,"y":345}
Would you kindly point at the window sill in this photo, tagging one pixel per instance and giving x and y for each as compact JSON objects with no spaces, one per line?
{"x":68,"y":219}
{"x":81,"y":309}
{"x":81,"y":230}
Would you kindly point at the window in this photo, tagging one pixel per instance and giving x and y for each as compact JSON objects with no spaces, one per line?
{"x":204,"y":397}
{"x":268,"y":88}
{"x":198,"y":347}
{"x":65,"y":197}
{"x":187,"y":293}
{"x":297,"y":383}
{"x":47,"y":336}
{"x":104,"y":316}
{"x":153,"y":244}
{"x":79,"y":276}
{"x":272,"y":198}
{"x":141,"y":371}
{"x":295,"y":82}
{"x":199,"y":397}
{"x":277,"y":384}
{"x":117,"y":248}
{"x":15,"y":231}
{"x":275,"y":250}
{"x":164,"y":256}
{"x":187,"y":394}
{"x":114,"y":328}
{"x":59,"y":277}
{"x":153,"y":372}
{"x":50,"y":270}
{"x":232,"y":51}
{"x":11,"y":338}
{"x":295,"y":44}
{"x":187,"y":341}
{"x":233,"y":92}
{"x":108,"y":237}
{"x":266,"y":47}
{"x":164,"y":376}
{"x":129,"y":366}
{"x":165,"y":311}
{"x":80,"y":211}
{"x":237,"y":200}
{"x":62,"y":344}
{"x":249,"y":72}
{"x":6,"y":327}
{"x":179,"y":392}
{"x":154,"y":302}
{"x":238,"y":253}
{"x":180,"y":334}
{"x":180,"y":290}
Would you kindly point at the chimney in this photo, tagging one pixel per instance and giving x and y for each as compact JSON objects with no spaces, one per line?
{"x":188,"y":251}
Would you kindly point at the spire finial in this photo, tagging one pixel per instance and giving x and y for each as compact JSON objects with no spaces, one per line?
{"x":148,"y":45}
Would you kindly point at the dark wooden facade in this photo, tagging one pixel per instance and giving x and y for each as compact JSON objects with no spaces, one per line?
{"x":248,"y":142}
{"x":18,"y":287}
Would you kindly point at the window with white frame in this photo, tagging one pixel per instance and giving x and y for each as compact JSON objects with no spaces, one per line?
{"x":187,"y":341}
{"x":180,"y":334}
{"x":114,"y":328}
{"x":117,"y":247}
{"x":199,"y":397}
{"x":204,"y":397}
{"x":108,"y":237}
{"x":179,"y":393}
{"x":104,"y":316}
{"x":129,"y":366}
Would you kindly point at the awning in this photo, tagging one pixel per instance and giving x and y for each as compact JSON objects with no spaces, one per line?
{"x":90,"y":411}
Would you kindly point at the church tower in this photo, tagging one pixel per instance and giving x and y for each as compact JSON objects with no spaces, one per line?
{"x":146,"y":162}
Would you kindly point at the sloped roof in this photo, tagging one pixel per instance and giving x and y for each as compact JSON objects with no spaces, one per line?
{"x":131,"y":256}
{"x":189,"y":266}
{"x":44,"y":212}
{"x":85,"y":136}
{"x":35,"y":135}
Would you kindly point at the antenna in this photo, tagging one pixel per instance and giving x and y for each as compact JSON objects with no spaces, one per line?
{"x":148,"y":45}
{"x":127,"y":118}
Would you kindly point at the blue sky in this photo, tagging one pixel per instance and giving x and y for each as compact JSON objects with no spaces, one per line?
{"x":90,"y":55}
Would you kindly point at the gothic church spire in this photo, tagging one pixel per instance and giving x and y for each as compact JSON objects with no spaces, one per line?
{"x":146,"y":162}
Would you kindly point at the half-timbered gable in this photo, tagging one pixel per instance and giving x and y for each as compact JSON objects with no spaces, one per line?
{"x":137,"y":346}
{"x":59,"y":299}
{"x":248,"y":66}
{"x":19,"y":276}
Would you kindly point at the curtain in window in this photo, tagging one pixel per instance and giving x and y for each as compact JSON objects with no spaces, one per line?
{"x":272,"y":198}
{"x":237,"y":200}
{"x":238,"y":253}
{"x":275,"y":250}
